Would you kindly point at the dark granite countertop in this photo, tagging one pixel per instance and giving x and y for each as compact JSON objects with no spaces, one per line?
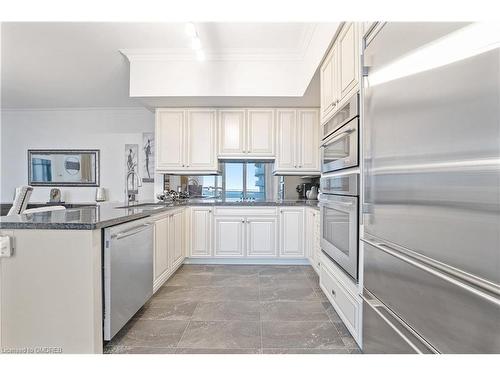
{"x":108,"y":214}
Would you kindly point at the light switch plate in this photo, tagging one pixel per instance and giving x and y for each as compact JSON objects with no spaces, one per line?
{"x":5,"y":246}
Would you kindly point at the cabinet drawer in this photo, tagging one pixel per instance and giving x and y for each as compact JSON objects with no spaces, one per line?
{"x":344,"y":303}
{"x":245,"y":211}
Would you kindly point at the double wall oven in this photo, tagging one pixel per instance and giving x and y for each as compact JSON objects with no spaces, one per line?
{"x":339,"y":198}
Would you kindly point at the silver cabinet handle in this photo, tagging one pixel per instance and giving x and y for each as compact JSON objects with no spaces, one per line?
{"x":448,"y":274}
{"x":333,"y":292}
{"x":336,"y":137}
{"x":242,"y":220}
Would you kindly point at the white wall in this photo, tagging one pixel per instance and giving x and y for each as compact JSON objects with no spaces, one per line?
{"x":105,"y":129}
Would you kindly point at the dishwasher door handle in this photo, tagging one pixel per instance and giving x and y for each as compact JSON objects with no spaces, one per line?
{"x":131,"y":232}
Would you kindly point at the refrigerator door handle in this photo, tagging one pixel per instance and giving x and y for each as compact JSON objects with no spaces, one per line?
{"x":454,"y":278}
{"x":376,"y":305}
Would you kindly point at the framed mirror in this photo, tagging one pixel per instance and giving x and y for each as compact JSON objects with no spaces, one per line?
{"x":63,"y":167}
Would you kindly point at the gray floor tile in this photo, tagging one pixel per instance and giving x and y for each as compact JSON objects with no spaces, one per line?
{"x":228,"y":310}
{"x":151,"y":333}
{"x":342,"y":329}
{"x":243,"y":270}
{"x":222,"y":335}
{"x":298,"y":281}
{"x":293,"y":311}
{"x":307,"y":335}
{"x":350,"y":343}
{"x":282,"y":271}
{"x":232,"y":280}
{"x":287,"y":293}
{"x":321,"y":295}
{"x":167,"y":310}
{"x":137,"y":350}
{"x":305,"y":351}
{"x":233,"y":293}
{"x":217,"y":351}
{"x":332,"y":314}
{"x":190,"y":280}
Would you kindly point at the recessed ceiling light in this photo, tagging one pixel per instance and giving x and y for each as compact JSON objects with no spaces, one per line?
{"x":191,"y":30}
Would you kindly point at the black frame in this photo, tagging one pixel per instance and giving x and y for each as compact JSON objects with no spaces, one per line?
{"x":63,"y":151}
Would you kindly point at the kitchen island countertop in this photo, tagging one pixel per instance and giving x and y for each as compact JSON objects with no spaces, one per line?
{"x":108,"y":214}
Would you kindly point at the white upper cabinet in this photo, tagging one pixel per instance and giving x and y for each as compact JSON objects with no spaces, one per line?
{"x":246,"y":133}
{"x":170,"y":140}
{"x":340,"y":71}
{"x":286,"y":138}
{"x":231,"y":132}
{"x":308,"y":140}
{"x":297,"y":142}
{"x":201,"y":129}
{"x":348,"y":59}
{"x":260,"y":132}
{"x":292,"y":232}
{"x":186,"y":141}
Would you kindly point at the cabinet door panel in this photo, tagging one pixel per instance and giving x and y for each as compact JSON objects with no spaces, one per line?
{"x":292,"y":232}
{"x":286,"y":140}
{"x":200,"y":141}
{"x":327,"y":91}
{"x":309,"y":140}
{"x":176,"y":240}
{"x":231,"y":132}
{"x":349,"y":59}
{"x":161,"y":261}
{"x":260,"y":132}
{"x":170,"y":139}
{"x":229,"y":237}
{"x":201,"y":232}
{"x":262,"y":239}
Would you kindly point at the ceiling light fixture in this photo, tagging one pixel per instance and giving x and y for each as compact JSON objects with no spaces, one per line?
{"x":195,"y":41}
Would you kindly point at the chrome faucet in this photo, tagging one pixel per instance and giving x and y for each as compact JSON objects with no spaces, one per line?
{"x":131,"y":194}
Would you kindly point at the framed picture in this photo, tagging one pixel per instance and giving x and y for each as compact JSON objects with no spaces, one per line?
{"x":131,"y":167}
{"x":148,"y":157}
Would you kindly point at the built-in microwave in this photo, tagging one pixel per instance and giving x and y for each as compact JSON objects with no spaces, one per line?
{"x":340,"y":147}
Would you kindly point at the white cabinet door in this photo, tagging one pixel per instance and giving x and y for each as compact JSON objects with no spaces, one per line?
{"x":161,"y":259}
{"x":201,"y":232}
{"x":348,"y":59}
{"x":201,"y":140}
{"x":231,"y":132}
{"x":229,"y":236}
{"x":286,"y":122}
{"x":309,"y":235}
{"x":308,"y":140}
{"x":170,"y":139}
{"x":262,"y":239}
{"x":327,"y":90}
{"x":292,"y":232}
{"x":260,"y":133}
{"x":176,"y":238}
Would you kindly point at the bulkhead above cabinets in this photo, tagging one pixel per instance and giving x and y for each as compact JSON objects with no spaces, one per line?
{"x":192,"y":140}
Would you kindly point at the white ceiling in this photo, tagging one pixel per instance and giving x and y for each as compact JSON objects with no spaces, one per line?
{"x":52,"y":65}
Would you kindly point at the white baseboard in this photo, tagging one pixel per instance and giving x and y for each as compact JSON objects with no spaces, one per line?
{"x":158,"y":283}
{"x":249,"y":261}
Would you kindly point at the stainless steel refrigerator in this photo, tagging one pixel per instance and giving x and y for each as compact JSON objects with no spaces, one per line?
{"x":431,"y":202}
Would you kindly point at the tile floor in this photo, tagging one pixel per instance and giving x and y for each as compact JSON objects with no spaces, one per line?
{"x":236,"y":309}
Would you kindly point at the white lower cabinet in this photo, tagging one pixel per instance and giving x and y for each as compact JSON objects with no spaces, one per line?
{"x":312,"y":241}
{"x":200,"y":232}
{"x":169,"y":245}
{"x":292,"y":232}
{"x":262,"y":239}
{"x":343,"y":295}
{"x":161,"y":260}
{"x":229,"y":237}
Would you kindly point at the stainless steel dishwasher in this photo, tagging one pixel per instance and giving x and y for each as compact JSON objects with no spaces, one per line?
{"x":128,"y":272}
